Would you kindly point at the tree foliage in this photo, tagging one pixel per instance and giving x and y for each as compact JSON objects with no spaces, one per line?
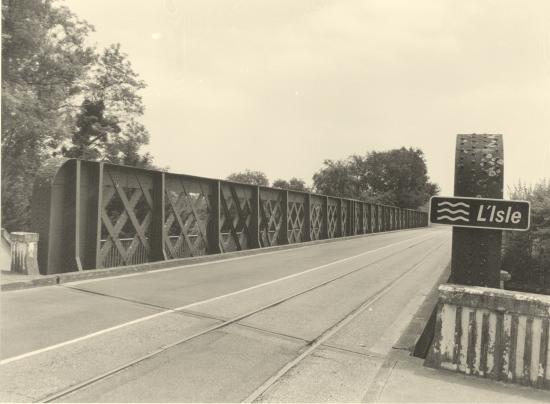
{"x":250,"y":177}
{"x":526,"y":255}
{"x":60,"y":96}
{"x":335,"y":179}
{"x":44,"y":57}
{"x":395,"y":177}
{"x":108,"y":126}
{"x":399,"y":177}
{"x":93,"y":130}
{"x":294,"y":184}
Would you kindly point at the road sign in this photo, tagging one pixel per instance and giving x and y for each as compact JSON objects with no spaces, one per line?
{"x":481,"y":213}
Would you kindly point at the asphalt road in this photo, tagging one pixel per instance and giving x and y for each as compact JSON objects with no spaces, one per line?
{"x":307,"y":324}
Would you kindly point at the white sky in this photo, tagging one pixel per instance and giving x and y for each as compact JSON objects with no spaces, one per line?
{"x":279,"y":86}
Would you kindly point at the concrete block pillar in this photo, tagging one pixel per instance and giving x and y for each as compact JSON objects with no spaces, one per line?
{"x":24,"y":248}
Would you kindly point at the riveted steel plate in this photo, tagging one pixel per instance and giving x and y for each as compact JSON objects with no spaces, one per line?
{"x":479,"y":173}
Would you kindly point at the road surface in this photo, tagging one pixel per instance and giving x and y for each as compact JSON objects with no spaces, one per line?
{"x":312,"y":323}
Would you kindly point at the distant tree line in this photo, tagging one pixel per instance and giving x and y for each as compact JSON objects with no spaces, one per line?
{"x":396,"y":177}
{"x":61,"y":97}
{"x":293,"y":184}
{"x":260,"y":179}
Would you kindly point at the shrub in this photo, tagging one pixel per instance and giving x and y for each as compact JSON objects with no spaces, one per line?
{"x":526,"y":255}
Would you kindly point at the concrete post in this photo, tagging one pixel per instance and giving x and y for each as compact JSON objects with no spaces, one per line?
{"x":504,"y":277}
{"x":24,"y":248}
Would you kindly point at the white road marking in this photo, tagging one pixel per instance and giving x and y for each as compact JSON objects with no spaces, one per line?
{"x":142,"y":319}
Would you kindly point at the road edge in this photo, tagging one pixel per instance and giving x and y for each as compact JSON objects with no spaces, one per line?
{"x":56,"y":279}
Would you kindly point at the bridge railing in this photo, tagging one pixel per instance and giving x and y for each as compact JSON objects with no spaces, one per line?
{"x":98,"y":215}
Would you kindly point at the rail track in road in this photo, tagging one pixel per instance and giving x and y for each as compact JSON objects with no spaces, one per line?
{"x":201,"y":301}
{"x":311,"y":345}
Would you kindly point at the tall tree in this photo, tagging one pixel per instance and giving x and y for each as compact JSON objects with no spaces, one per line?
{"x":399,"y":177}
{"x":108,"y":124}
{"x":250,"y":177}
{"x":60,"y":96}
{"x":93,"y":130}
{"x":44,"y":57}
{"x":336,"y":178}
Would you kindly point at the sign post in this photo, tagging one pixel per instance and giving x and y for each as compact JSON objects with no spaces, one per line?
{"x":479,"y":173}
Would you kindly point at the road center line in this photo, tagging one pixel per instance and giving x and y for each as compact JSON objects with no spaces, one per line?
{"x":152,"y":316}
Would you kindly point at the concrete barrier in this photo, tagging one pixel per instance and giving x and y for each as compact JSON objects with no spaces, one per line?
{"x":5,"y":250}
{"x":492,"y":333}
{"x":24,"y":248}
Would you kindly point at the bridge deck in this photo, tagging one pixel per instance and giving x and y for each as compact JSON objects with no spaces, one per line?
{"x":306,"y":324}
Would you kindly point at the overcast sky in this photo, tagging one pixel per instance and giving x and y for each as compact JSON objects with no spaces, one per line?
{"x":280,"y":86}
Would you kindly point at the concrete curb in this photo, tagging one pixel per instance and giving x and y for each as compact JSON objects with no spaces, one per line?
{"x":56,"y":279}
{"x":404,"y":347}
{"x":416,"y":332}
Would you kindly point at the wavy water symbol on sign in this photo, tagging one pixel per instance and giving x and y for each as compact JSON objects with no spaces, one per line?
{"x":453,"y":212}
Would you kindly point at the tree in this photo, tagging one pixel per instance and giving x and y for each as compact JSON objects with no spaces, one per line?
{"x":294,"y":184}
{"x":396,"y":177}
{"x":335,"y":179}
{"x":108,"y":126}
{"x":125,"y":149}
{"x":93,"y":129}
{"x":526,"y":255}
{"x":279,"y":183}
{"x":399,"y":177}
{"x":59,"y":96}
{"x":44,"y":57}
{"x":250,"y":177}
